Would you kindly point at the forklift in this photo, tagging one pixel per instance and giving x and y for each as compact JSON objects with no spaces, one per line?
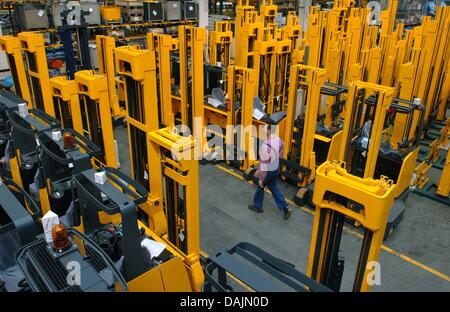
{"x":338,"y":195}
{"x":368,"y":148}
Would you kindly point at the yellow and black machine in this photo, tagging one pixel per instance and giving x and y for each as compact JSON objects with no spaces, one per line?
{"x":191,"y":43}
{"x":137,"y":69}
{"x":373,"y":145}
{"x":230,"y":122}
{"x":219,"y":44}
{"x":82,"y":104}
{"x":106,"y":66}
{"x":37,"y":71}
{"x":439,"y":190}
{"x":162,"y":162}
{"x":338,"y":195}
{"x":309,"y":141}
{"x":24,"y":158}
{"x":66,"y":102}
{"x":219,"y":41}
{"x":261,"y":46}
{"x":163,"y":45}
{"x":12,"y":47}
{"x":298,"y":164}
{"x":95,"y":114}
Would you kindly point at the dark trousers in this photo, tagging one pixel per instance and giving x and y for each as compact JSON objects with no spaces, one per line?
{"x":271,"y":183}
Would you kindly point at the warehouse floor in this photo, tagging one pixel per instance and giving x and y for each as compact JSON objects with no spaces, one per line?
{"x":415,"y":258}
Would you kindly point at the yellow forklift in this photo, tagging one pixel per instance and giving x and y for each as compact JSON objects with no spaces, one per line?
{"x":339,"y":195}
{"x":13,"y":49}
{"x":298,"y":164}
{"x":368,"y":148}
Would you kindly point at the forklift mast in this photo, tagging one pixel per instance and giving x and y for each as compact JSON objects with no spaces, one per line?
{"x":240,"y":141}
{"x":137,"y":69}
{"x":191,"y":44}
{"x":37,"y":71}
{"x":13,"y":49}
{"x":95,"y":115}
{"x":106,"y":66}
{"x":162,"y":45}
{"x":339,"y":195}
{"x":66,"y":102}
{"x":305,"y":81}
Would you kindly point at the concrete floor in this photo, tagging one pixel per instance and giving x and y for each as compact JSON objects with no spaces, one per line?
{"x":415,"y":258}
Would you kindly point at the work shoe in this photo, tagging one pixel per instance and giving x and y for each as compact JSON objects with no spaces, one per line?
{"x":287,"y":213}
{"x":252,"y":207}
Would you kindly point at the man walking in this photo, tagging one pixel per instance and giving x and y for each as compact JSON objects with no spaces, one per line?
{"x":269,"y":170}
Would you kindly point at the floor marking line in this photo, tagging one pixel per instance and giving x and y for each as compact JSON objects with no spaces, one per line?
{"x":356,"y":234}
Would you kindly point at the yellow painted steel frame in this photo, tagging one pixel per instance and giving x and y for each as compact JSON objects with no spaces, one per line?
{"x":265,"y":65}
{"x":37,"y":71}
{"x":13,"y":49}
{"x":138,"y":70}
{"x":105,"y":54}
{"x":293,"y":30}
{"x":404,"y":88}
{"x":67,"y":104}
{"x":443,"y":188}
{"x":192,"y":41}
{"x":310,"y":80}
{"x":444,"y":95}
{"x":315,"y":35}
{"x":374,"y":196}
{"x":371,"y":63}
{"x":357,"y":24}
{"x":247,"y":28}
{"x":220,"y":44}
{"x":162,"y":45}
{"x":427,"y":43}
{"x":242,"y":80}
{"x":178,"y":171}
{"x":358,"y":92}
{"x":441,"y":56}
{"x":388,"y":18}
{"x":268,"y":12}
{"x":95,"y":88}
{"x":384,"y":100}
{"x":283,"y":54}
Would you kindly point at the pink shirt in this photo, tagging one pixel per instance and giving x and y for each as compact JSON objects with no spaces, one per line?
{"x":269,"y":153}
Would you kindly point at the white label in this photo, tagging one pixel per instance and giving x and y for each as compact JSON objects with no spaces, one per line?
{"x":100,"y":177}
{"x":191,"y":8}
{"x":41,"y":13}
{"x":181,"y":236}
{"x":56,"y":136}
{"x":145,"y":175}
{"x":175,"y":5}
{"x":257,"y":114}
{"x":71,"y":165}
{"x":219,"y":64}
{"x":154,"y":12}
{"x":153,"y":247}
{"x":23,"y":110}
{"x":49,"y":220}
